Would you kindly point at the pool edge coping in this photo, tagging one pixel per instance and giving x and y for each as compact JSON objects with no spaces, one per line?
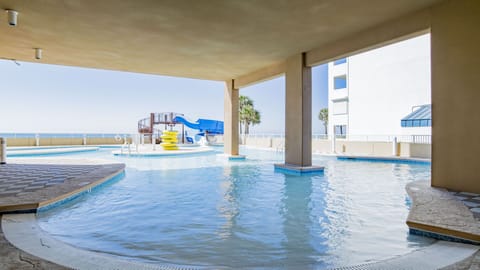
{"x":427,"y":214}
{"x":24,"y":233}
{"x":57,"y":201}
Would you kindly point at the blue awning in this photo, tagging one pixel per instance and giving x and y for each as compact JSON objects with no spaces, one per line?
{"x":421,"y":117}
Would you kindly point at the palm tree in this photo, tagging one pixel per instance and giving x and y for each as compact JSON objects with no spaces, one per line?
{"x":323,"y":116}
{"x":252,"y":117}
{"x":247,"y":114}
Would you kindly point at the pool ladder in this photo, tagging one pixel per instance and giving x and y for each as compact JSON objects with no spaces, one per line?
{"x":127,"y":148}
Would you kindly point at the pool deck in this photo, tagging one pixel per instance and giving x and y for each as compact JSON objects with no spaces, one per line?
{"x":158,"y":151}
{"x":29,"y":184}
{"x":14,"y":258}
{"x":441,"y":214}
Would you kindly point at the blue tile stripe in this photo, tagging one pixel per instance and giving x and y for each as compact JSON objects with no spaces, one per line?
{"x":384,"y":159}
{"x":52,"y":205}
{"x":442,"y":237}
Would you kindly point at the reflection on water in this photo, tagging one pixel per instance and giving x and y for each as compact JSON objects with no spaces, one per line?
{"x":299,"y":244}
{"x":244,"y":214}
{"x":227,"y":207}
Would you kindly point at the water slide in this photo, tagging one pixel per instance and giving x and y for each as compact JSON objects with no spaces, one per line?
{"x":203,"y":125}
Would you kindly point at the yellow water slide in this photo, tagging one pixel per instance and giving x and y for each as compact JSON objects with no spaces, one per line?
{"x":169,"y":140}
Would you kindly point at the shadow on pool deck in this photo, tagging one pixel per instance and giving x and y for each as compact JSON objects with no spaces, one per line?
{"x":24,"y":188}
{"x":26,"y":185}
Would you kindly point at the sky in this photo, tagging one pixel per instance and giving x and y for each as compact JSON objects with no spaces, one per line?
{"x":41,"y":98}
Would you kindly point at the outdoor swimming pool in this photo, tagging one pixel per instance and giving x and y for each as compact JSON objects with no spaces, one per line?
{"x":206,"y":211}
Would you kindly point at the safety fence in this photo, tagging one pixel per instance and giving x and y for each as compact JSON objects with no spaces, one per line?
{"x":421,"y":139}
{"x":418,"y":146}
{"x":49,"y":139}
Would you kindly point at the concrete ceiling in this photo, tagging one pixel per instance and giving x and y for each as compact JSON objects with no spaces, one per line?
{"x":210,"y":39}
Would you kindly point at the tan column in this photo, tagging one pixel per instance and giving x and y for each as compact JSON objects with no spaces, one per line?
{"x":298,"y":112}
{"x":230,"y":135}
{"x":455,"y":48}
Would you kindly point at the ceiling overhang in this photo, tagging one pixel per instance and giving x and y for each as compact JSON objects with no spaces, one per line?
{"x":213,"y":40}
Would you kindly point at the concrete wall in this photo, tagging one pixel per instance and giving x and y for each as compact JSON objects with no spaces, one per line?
{"x":455,"y":37}
{"x":60,"y":141}
{"x":364,"y":148}
{"x":415,"y":150}
{"x":421,"y":150}
{"x":321,"y":146}
{"x":261,"y":142}
{"x":20,"y":141}
{"x":99,"y":141}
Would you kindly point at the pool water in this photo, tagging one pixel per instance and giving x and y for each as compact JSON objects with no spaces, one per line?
{"x":206,"y":211}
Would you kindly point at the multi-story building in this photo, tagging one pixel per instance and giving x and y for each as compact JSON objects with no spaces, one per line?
{"x":371,"y":92}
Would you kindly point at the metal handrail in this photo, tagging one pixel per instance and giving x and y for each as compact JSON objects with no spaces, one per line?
{"x":421,"y":139}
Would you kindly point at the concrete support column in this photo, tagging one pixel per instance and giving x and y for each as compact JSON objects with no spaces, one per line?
{"x":455,"y":44}
{"x":3,"y":151}
{"x":230,"y":127}
{"x":298,"y":112}
{"x":298,"y":118}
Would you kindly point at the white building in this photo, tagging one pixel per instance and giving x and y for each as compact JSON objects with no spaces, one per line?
{"x":371,"y":92}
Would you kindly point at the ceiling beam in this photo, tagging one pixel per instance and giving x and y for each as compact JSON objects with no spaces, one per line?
{"x":387,"y":33}
{"x":260,"y":75}
{"x":402,"y":28}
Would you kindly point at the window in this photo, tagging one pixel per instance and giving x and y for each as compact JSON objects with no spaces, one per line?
{"x":340,"y":82}
{"x":340,"y":61}
{"x":341,"y":131}
{"x":340,"y":107}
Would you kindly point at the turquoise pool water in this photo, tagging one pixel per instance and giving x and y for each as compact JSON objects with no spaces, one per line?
{"x":206,"y":211}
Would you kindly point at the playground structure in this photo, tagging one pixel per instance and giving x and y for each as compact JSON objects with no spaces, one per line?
{"x":206,"y":127}
{"x":147,"y":126}
{"x":169,"y":140}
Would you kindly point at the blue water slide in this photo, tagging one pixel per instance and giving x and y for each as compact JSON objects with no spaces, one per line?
{"x":203,"y":125}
